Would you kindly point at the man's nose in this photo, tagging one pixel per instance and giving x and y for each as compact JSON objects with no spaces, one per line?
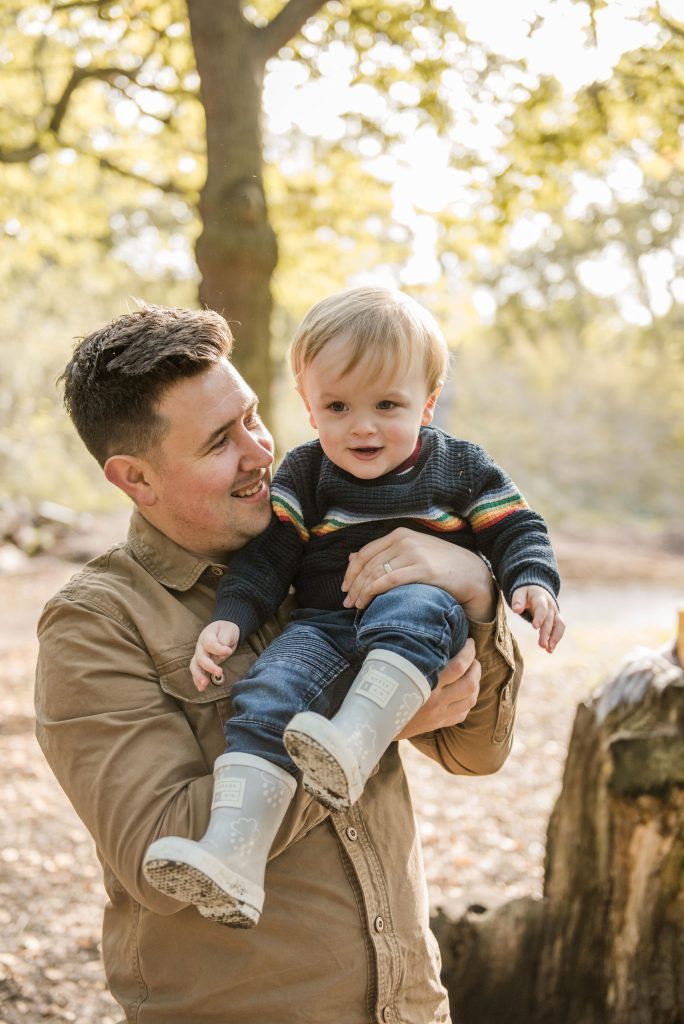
{"x":257,"y":450}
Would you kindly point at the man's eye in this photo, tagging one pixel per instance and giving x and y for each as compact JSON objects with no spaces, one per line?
{"x":252,"y":420}
{"x":222,"y":441}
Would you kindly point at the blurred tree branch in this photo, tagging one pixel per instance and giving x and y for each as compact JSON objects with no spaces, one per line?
{"x":168,"y":187}
{"x":286,"y":24}
{"x":80,"y":3}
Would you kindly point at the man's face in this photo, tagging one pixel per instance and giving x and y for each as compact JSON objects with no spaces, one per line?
{"x":211,"y":476}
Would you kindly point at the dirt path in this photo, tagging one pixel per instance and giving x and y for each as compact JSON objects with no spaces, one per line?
{"x":483,"y":838}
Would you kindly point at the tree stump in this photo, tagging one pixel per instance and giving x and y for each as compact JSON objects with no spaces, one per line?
{"x":605,"y":943}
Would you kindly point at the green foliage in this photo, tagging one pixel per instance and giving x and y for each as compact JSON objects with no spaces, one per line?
{"x":595,"y":179}
{"x":101,"y":133}
{"x":593,"y":437}
{"x":41,"y":457}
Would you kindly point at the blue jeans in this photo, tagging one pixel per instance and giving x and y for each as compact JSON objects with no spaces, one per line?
{"x":312,"y":664}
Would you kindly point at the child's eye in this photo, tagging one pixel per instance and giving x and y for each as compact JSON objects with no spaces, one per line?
{"x":386,"y":404}
{"x":337,"y":407}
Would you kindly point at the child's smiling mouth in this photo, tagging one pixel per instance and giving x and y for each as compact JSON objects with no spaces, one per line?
{"x":365,"y":452}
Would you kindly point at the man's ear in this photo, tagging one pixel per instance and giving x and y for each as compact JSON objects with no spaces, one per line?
{"x":131,"y":475}
{"x":429,"y":407}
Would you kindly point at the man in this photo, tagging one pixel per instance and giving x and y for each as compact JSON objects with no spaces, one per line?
{"x":344,"y":935}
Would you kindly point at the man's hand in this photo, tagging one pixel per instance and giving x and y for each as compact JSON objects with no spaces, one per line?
{"x":216,"y":642}
{"x":544,"y":611}
{"x":452,"y":699}
{"x":419,"y":558}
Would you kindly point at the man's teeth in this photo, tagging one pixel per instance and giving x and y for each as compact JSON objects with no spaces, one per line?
{"x":248,"y":491}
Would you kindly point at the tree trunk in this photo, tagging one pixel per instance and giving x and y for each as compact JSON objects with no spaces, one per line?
{"x":605,"y":944}
{"x":236,"y":251}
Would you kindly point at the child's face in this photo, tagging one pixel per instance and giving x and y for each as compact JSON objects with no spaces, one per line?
{"x":367,"y":421}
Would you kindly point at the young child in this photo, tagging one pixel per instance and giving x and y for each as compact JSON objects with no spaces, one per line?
{"x":369,"y":364}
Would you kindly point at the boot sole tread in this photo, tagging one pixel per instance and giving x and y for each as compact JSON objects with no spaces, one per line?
{"x":324,"y":776}
{"x":190,"y":885}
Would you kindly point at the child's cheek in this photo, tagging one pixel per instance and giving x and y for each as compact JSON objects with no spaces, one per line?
{"x":398,"y":432}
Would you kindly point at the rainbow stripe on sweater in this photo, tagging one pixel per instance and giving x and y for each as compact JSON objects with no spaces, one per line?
{"x":288,"y":509}
{"x":441,"y":520}
{"x":492,"y":507}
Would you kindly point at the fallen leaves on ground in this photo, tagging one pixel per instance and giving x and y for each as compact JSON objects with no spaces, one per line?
{"x":483,"y":838}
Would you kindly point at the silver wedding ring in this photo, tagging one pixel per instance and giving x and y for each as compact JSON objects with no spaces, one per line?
{"x":387,"y":567}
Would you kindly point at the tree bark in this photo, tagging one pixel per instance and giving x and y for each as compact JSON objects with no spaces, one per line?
{"x":237,"y":250}
{"x":605,"y":944}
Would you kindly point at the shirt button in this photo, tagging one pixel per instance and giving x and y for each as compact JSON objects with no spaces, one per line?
{"x":352,"y":834}
{"x":379,"y":924}
{"x":386,"y":1013}
{"x":217,"y":570}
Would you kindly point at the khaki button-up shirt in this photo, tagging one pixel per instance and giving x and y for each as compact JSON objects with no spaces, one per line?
{"x":344,"y":934}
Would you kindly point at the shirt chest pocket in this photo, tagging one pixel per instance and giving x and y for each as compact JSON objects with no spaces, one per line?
{"x":206,"y":711}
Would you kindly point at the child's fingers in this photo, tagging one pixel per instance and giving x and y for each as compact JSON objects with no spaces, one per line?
{"x":227,"y":633}
{"x":519,"y":602}
{"x":541,"y":608}
{"x":215,"y":646}
{"x":552,"y":630}
{"x":556,"y":633}
{"x":210,"y":666}
{"x":545,"y":628}
{"x":544,"y":614}
{"x":199,"y":678}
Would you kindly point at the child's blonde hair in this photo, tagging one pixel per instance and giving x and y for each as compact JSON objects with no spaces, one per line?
{"x":380,"y":323}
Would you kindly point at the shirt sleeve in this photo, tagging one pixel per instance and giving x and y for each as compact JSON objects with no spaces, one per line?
{"x":134,"y":760}
{"x":512,"y":536}
{"x":261,"y":573}
{"x":481,"y":744}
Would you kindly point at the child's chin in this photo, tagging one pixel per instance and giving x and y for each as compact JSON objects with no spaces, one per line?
{"x":367,"y":470}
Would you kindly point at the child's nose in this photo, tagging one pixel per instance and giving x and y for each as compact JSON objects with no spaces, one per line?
{"x":363,"y":426}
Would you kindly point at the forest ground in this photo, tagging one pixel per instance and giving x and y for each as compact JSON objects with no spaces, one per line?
{"x":483,"y":838}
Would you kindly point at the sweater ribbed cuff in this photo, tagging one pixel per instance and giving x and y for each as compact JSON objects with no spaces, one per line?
{"x":240,"y":612}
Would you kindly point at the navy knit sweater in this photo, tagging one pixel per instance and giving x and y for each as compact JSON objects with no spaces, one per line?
{"x":321,"y":514}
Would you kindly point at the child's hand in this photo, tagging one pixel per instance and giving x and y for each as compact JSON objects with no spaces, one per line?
{"x":216,"y":642}
{"x":544,"y":611}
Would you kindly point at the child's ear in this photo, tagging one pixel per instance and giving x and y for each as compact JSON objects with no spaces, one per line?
{"x":301,"y":394}
{"x":429,"y":408}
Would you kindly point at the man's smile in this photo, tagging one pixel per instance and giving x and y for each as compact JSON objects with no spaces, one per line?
{"x":250,"y":489}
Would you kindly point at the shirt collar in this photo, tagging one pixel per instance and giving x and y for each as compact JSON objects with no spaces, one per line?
{"x":169,"y":563}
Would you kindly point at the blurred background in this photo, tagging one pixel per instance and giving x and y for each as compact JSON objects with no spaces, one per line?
{"x":515,"y":166}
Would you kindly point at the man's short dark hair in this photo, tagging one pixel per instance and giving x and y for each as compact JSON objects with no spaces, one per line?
{"x":117,"y":376}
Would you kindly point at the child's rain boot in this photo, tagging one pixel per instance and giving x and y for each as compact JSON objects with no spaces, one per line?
{"x":223,"y":873}
{"x":337,"y":755}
